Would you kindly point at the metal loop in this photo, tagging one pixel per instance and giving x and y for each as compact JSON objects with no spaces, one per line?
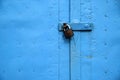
{"x":66,"y":26}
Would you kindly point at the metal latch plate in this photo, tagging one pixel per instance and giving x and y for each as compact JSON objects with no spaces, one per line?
{"x":78,"y":26}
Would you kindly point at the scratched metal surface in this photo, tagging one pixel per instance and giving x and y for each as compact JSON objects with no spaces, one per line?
{"x":32,"y":48}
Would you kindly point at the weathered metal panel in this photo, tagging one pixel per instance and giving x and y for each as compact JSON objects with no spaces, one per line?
{"x":96,"y":54}
{"x":106,"y":40}
{"x":75,"y":67}
{"x":29,"y":40}
{"x":32,"y":47}
{"x":63,"y":43}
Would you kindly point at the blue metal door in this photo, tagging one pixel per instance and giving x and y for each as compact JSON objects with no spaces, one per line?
{"x":95,"y":55}
{"x":32,"y":48}
{"x":29,"y":40}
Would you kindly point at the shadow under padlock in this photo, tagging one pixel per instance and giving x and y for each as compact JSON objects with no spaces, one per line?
{"x":67,"y":30}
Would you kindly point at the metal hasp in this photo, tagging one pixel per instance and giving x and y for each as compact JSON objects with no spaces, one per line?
{"x":78,"y":26}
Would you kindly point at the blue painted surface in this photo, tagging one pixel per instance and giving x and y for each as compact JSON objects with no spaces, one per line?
{"x":32,"y":48}
{"x":28,"y":40}
{"x":95,"y":55}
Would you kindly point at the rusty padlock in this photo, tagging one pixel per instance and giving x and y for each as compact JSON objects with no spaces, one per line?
{"x":68,"y":32}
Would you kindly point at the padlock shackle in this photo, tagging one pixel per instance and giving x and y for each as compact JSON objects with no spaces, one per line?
{"x":67,"y":25}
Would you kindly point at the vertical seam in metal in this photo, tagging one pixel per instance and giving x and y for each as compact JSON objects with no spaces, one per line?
{"x":90,"y":43}
{"x":80,"y":11}
{"x":80,"y":44}
{"x":69,"y":42}
{"x":58,"y":42}
{"x":90,"y":39}
{"x":69,"y":59}
{"x":69,"y":11}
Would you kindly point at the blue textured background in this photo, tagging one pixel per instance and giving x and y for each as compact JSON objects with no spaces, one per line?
{"x":32,"y":48}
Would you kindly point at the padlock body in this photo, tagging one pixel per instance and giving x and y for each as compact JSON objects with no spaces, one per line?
{"x":68,"y":33}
